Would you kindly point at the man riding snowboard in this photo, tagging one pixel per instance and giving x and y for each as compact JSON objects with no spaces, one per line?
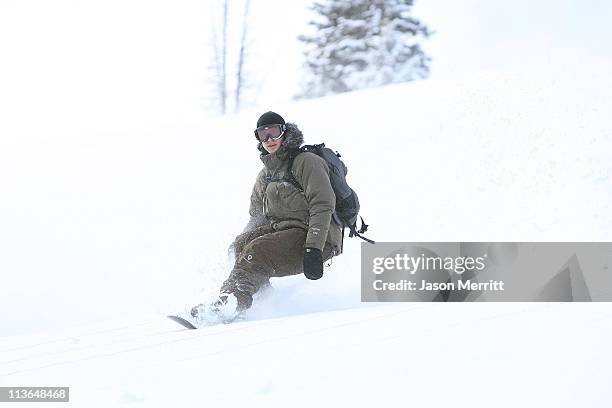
{"x":291,"y":229}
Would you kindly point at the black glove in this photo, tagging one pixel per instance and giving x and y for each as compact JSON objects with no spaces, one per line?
{"x":313,"y":263}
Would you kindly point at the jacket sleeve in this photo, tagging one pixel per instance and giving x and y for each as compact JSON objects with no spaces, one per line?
{"x":257,"y":224}
{"x":257,"y":218}
{"x":312,"y":173}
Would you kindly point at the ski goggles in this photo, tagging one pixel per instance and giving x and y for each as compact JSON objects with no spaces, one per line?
{"x":266,"y":132}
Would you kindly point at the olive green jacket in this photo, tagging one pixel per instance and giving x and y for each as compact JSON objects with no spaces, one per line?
{"x":277,"y":204}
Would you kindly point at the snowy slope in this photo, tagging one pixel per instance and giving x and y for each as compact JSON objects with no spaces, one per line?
{"x":119,"y":197}
{"x":137,"y":221}
{"x":477,"y":355}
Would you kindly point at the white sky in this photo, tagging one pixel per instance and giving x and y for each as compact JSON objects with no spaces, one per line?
{"x":69,"y":63}
{"x":475,"y":34}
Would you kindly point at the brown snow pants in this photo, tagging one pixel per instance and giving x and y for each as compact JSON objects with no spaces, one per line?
{"x":271,"y":255}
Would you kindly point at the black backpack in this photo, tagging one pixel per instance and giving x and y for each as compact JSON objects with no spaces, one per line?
{"x":347,"y":203}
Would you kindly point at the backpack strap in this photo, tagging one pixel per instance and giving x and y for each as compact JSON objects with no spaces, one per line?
{"x":364,"y":226}
{"x":355,"y":233}
{"x":289,"y":177}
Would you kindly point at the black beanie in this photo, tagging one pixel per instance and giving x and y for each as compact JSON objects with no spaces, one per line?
{"x":270,"y":118}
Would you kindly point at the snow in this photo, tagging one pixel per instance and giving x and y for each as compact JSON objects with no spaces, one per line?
{"x":104,"y":233}
{"x":422,"y":354}
{"x":119,"y":199}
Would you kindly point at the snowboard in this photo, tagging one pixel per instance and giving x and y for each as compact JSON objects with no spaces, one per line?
{"x":183,"y":322}
{"x":187,"y":324}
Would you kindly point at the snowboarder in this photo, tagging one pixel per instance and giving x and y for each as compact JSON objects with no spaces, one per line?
{"x":291,"y":229}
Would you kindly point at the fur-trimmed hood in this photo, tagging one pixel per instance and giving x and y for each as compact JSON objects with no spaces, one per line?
{"x":292,"y":139}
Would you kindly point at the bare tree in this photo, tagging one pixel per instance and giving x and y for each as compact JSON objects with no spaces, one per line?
{"x":218,"y":63}
{"x":223,"y":74}
{"x":241,"y":57}
{"x":222,"y":50}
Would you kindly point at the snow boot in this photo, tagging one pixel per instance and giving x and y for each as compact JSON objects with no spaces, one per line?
{"x":225,"y":309}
